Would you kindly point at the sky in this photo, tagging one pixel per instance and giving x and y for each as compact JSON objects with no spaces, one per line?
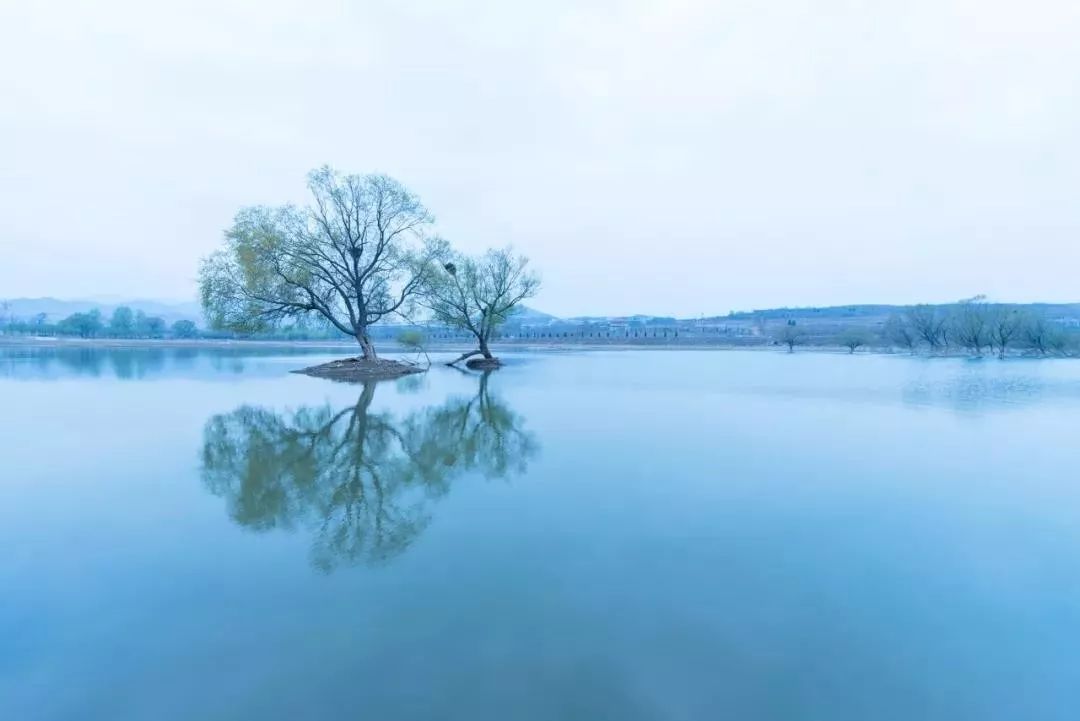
{"x":674,"y":158}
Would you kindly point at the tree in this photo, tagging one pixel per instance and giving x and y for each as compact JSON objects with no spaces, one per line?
{"x":357,"y":254}
{"x":363,"y":484}
{"x":929,"y":324}
{"x":1006,"y":324}
{"x":84,"y":325}
{"x":971,"y":324}
{"x":477,"y":295}
{"x":149,"y":326}
{"x":853,"y":339}
{"x":122,"y":322}
{"x":898,"y":331}
{"x":790,"y":335}
{"x":184,"y":329}
{"x":1040,"y":335}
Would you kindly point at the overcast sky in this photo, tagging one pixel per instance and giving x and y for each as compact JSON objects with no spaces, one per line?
{"x":666,"y":157}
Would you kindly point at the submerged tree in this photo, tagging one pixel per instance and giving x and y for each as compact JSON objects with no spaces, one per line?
{"x":790,"y":335}
{"x":898,"y":331}
{"x":358,"y":253}
{"x":853,"y":339}
{"x":1006,"y":324}
{"x":971,"y":324}
{"x":929,"y":324}
{"x":478,"y":295}
{"x":361,"y":482}
{"x":1040,"y":335}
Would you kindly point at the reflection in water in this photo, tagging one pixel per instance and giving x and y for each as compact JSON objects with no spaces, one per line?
{"x":34,"y":363}
{"x":972,"y":391}
{"x":360,"y":482}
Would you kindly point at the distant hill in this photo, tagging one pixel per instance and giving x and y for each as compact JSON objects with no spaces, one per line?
{"x":865,"y":311}
{"x":57,"y":309}
{"x":525,"y":314}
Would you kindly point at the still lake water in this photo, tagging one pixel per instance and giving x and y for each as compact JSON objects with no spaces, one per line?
{"x":620,"y":535}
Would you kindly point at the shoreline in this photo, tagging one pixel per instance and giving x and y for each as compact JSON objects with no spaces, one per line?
{"x":391,"y":348}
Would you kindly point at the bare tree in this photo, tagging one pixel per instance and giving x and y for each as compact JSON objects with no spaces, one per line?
{"x":1039,"y":334}
{"x":790,"y":335}
{"x":853,"y":339}
{"x":929,"y":324}
{"x":971,"y":324}
{"x":358,"y":253}
{"x":898,"y":331}
{"x":477,"y":295}
{"x":1006,"y":324}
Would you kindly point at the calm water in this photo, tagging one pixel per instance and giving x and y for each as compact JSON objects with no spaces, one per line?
{"x":638,"y":535}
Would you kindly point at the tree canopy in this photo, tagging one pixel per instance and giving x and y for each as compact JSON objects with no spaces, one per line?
{"x":360,"y":251}
{"x":479,"y":294}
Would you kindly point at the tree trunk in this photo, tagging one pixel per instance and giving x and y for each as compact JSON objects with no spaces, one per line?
{"x":367,"y":350}
{"x":485,"y":350}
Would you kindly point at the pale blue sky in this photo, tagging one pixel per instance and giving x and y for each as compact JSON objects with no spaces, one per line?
{"x":666,"y":157}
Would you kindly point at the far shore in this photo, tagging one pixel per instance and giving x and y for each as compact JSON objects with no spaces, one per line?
{"x":389,"y":347}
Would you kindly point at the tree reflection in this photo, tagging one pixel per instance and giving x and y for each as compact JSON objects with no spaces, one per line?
{"x":361,"y":482}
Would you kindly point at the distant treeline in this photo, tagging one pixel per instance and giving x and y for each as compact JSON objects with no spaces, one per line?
{"x":125,"y":322}
{"x":976,"y":326}
{"x":971,"y":326}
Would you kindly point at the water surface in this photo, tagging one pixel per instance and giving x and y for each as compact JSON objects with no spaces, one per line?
{"x":635,"y":535}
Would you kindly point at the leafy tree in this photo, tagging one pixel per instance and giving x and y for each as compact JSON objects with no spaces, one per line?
{"x":184,"y":329}
{"x":84,"y":325}
{"x":359,"y":252}
{"x":478,"y":295}
{"x":149,"y":326}
{"x":122,"y":322}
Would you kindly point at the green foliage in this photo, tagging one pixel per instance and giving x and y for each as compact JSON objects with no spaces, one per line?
{"x":478,"y":295}
{"x":84,"y":325}
{"x":149,"y":326}
{"x":184,"y":329}
{"x":122,"y":323}
{"x":412,"y":339}
{"x":358,"y":253}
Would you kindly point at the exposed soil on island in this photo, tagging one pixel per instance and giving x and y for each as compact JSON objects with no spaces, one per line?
{"x":483,"y":364}
{"x":360,"y":370}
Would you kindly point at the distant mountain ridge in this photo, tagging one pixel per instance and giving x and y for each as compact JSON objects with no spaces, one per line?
{"x":56,"y":309}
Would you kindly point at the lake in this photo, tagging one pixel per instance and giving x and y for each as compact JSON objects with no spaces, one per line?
{"x":199,"y":534}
